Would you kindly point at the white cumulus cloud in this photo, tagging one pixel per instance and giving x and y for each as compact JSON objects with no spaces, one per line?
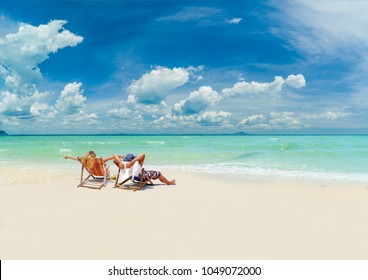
{"x":14,"y":105}
{"x":20,"y":54}
{"x":80,"y":119}
{"x":273,"y":88}
{"x":71,"y":99}
{"x":295,"y":81}
{"x":155,"y":86}
{"x":43,"y":111}
{"x":285,"y":120}
{"x":170,"y":121}
{"x":120,"y":113}
{"x":273,"y":120}
{"x":291,"y":120}
{"x":197,"y":101}
{"x":210,"y":118}
{"x":253,"y":120}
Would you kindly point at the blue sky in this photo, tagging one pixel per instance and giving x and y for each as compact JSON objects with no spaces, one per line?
{"x":183,"y":66}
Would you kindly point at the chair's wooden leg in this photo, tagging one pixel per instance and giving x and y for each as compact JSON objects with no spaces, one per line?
{"x":104,"y":183}
{"x":83,"y":181}
{"x":117,"y":179}
{"x":122,"y":183}
{"x":81,"y":178}
{"x":142,"y":183}
{"x":107,"y":175}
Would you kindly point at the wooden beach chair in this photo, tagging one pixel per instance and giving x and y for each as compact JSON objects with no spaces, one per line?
{"x":136,"y":175}
{"x":96,"y":177}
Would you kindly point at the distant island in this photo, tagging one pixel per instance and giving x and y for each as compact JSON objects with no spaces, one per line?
{"x":241,"y":133}
{"x":3,"y":133}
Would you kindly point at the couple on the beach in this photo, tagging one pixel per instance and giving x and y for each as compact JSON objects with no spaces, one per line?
{"x":125,"y":163}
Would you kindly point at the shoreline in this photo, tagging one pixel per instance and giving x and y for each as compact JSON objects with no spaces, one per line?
{"x":202,"y":217}
{"x":19,"y":174}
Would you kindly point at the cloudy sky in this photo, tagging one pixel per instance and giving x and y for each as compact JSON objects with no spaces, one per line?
{"x":160,"y":66}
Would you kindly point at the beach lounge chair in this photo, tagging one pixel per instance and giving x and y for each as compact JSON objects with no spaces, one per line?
{"x":134,"y":174}
{"x":97,"y":176}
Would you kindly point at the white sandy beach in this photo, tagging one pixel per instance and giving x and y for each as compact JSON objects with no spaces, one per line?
{"x":202,"y":217}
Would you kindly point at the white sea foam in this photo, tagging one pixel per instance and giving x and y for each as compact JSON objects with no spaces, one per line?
{"x":239,"y":170}
{"x":7,"y":180}
{"x":26,"y":174}
{"x":155,"y":142}
{"x":90,"y":143}
{"x":64,"y":151}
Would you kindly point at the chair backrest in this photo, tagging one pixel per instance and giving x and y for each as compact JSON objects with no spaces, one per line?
{"x":98,"y":168}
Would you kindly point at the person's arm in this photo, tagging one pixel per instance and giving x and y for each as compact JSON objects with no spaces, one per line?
{"x":111,"y":158}
{"x":139,"y":158}
{"x":107,"y":159}
{"x":73,"y":158}
{"x":117,"y":161}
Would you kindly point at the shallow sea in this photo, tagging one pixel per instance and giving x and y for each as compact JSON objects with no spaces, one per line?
{"x":340,"y":157}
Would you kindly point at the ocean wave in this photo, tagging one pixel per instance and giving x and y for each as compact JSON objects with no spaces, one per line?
{"x":103,"y":143}
{"x":156,"y":142}
{"x":64,"y":151}
{"x":239,"y":170}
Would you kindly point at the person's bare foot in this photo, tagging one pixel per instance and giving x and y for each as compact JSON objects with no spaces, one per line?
{"x":172,"y":182}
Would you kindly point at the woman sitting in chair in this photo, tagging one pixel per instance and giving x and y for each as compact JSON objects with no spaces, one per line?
{"x":89,"y":161}
{"x":96,"y":169}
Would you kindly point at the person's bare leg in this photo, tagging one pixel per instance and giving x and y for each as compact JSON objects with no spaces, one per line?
{"x":167,"y":182}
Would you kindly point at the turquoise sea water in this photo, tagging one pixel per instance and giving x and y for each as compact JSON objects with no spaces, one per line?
{"x":315,"y":156}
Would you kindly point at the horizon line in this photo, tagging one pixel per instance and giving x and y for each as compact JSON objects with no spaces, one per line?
{"x":181,"y":134}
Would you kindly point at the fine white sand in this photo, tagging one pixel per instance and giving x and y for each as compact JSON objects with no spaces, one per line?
{"x":202,"y":217}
